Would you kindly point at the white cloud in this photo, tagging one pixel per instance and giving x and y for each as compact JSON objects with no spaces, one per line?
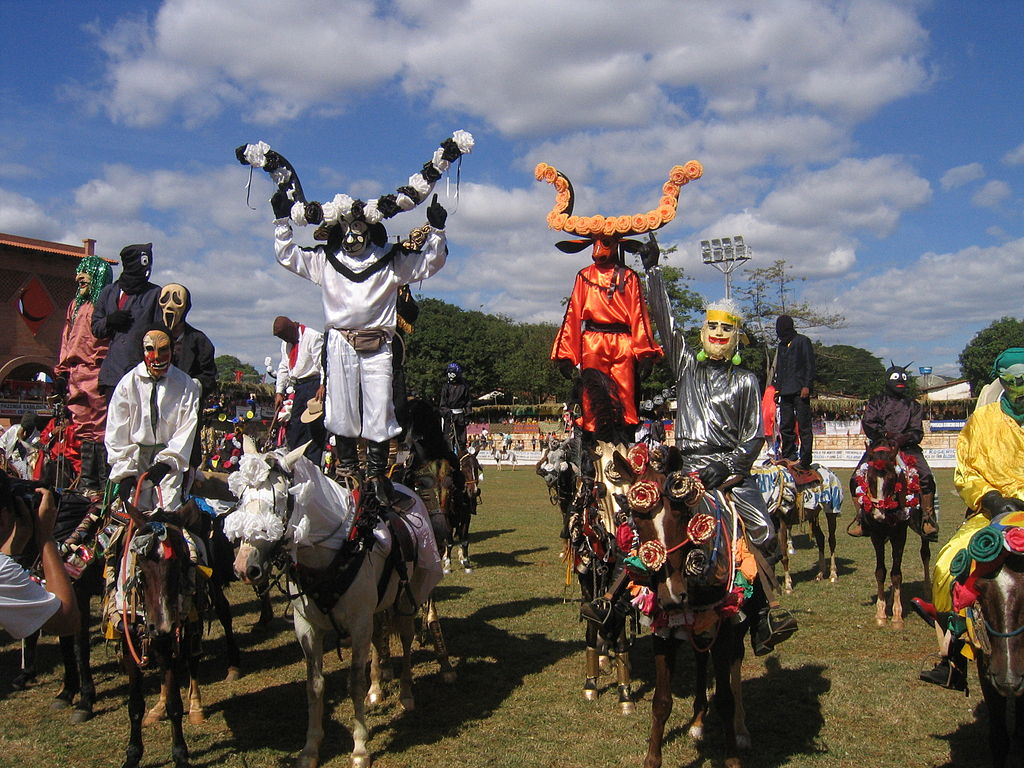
{"x":960,"y":175}
{"x":23,"y":216}
{"x":1015,"y":156}
{"x":992,"y":194}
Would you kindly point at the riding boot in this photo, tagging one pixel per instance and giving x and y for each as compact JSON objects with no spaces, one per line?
{"x":377,"y":472}
{"x":856,"y":528}
{"x":951,"y":671}
{"x":346,"y":470}
{"x":929,"y":523}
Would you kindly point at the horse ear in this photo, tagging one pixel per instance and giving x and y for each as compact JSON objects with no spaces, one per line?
{"x":248,"y":445}
{"x":574,"y":246}
{"x":288,"y":460}
{"x":622,"y":466}
{"x":631,"y":246}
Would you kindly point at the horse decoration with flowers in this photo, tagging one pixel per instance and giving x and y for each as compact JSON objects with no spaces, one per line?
{"x":690,"y":573}
{"x":156,"y":604}
{"x":794,"y":497}
{"x":988,"y":595}
{"x":351,"y":558}
{"x":887,"y":493}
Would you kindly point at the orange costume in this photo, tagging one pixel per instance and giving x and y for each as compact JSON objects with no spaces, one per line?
{"x":606,"y":327}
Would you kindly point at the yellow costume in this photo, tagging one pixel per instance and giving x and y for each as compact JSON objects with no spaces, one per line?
{"x":989,"y":457}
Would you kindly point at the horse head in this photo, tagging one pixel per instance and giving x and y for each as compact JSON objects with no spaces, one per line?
{"x":259,"y":520}
{"x":878,"y":486}
{"x":162,"y":561}
{"x":1000,"y":602}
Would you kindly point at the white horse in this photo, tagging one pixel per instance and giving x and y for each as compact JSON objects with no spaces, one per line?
{"x":349,"y":562}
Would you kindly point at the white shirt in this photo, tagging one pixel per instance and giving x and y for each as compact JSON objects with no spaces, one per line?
{"x":367,"y":305}
{"x":25,"y":605}
{"x":131,"y":427}
{"x":307,"y":359}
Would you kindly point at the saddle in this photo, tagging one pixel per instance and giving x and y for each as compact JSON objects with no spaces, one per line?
{"x":802,"y":477}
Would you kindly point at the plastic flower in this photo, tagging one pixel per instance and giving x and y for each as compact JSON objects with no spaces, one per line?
{"x":700,"y":528}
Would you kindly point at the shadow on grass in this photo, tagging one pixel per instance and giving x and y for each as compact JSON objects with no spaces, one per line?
{"x":968,"y":744}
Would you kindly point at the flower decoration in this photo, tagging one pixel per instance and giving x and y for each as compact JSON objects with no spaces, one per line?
{"x":638,"y":457}
{"x":700,"y":528}
{"x":652,"y":554}
{"x":684,"y":488}
{"x":695,"y":563}
{"x":643,"y":496}
{"x":658,"y":457}
{"x":1013,"y":540}
{"x":615,"y":226}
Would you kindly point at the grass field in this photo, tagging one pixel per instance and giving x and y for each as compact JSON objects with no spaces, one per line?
{"x":842,"y":692}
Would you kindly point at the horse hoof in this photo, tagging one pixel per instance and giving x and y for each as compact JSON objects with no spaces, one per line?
{"x":233,"y":675}
{"x":897,"y":623}
{"x":880,"y":622}
{"x":363,"y":761}
{"x":833,"y":579}
{"x":449,"y":677}
{"x":590,"y":694}
{"x":696,"y":732}
{"x":81,"y":716}
{"x":819,"y":577}
{"x":627,"y":707}
{"x":374,"y":699}
{"x":60,"y":703}
{"x":23,"y":679}
{"x":197,"y":717}
{"x":150,"y":720}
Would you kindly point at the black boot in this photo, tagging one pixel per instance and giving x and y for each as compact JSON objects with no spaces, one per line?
{"x":377,"y":472}
{"x":346,"y":469}
{"x":948,"y":674}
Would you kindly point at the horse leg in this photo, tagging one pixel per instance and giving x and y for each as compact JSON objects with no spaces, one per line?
{"x":819,"y":539}
{"x":623,"y":677}
{"x":70,"y":686}
{"x":833,"y":574}
{"x":926,"y":557}
{"x":159,"y":710}
{"x":661,"y":703}
{"x":380,"y":658}
{"x":700,"y":694}
{"x":136,"y":709}
{"x":196,"y":713}
{"x":311,"y":641}
{"x":899,"y":543}
{"x":878,"y":542}
{"x":783,"y":534}
{"x":361,"y":631}
{"x":998,"y":733}
{"x":266,"y":610}
{"x":223,"y":609}
{"x":736,"y":683}
{"x":406,"y":632}
{"x":722,"y":658}
{"x":593,"y":663}
{"x":175,"y":708}
{"x":437,"y":639}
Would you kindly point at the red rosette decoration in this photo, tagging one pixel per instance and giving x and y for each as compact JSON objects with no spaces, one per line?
{"x":624,"y":537}
{"x":652,"y":554}
{"x":700,"y":528}
{"x":643,"y":496}
{"x":638,"y":457}
{"x":1013,"y":540}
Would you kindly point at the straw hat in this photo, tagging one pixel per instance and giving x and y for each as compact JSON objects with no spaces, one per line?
{"x":314,"y":410}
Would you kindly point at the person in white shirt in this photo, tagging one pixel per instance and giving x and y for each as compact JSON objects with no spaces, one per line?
{"x":300,"y":368}
{"x":151,"y":426}
{"x":19,"y":445}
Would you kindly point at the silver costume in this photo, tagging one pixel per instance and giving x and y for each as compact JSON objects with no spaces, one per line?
{"x":718,"y":413}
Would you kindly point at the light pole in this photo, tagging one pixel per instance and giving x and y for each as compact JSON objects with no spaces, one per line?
{"x":725,"y":254}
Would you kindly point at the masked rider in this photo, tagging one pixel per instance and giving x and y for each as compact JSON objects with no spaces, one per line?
{"x":718,"y":416}
{"x":455,"y":402}
{"x":893,"y":416}
{"x":989,"y":477}
{"x":151,"y":425}
{"x":76,"y":375}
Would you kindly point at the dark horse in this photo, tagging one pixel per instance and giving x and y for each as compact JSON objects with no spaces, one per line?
{"x":887,"y":494}
{"x":153,"y":607}
{"x":688,"y":544}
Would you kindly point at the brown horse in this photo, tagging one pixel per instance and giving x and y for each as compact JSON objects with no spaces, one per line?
{"x":887,"y":494}
{"x":998,"y":638}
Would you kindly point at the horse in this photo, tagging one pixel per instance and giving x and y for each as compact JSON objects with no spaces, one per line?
{"x":791,"y":503}
{"x":887,"y":492}
{"x":351,"y":559}
{"x":155,"y":605}
{"x":695,"y":575}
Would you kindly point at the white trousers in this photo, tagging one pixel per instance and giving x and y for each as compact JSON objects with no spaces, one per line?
{"x":359,"y":401}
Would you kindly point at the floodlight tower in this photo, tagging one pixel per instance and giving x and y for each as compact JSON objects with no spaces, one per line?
{"x":725,"y":254}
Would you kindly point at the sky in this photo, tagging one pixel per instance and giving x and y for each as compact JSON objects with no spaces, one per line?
{"x":877,"y":147}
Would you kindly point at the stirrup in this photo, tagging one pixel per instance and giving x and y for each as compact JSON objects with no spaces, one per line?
{"x":774,"y":626}
{"x":856,"y":528}
{"x":945,"y":674}
{"x":597,"y":610}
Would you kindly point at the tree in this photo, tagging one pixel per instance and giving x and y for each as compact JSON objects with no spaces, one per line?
{"x":228,"y":364}
{"x":846,"y":370}
{"x":768,"y":293}
{"x":981,"y":351}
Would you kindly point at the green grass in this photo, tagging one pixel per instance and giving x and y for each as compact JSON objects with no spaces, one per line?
{"x":841,"y":692}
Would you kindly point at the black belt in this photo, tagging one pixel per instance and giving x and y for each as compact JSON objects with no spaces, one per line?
{"x":590,"y":325}
{"x":307,"y":379}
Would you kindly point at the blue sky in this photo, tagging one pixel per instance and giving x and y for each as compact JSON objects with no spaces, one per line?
{"x":875,"y":146}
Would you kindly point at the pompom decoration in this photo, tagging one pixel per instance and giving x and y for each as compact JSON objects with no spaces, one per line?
{"x":652,"y":554}
{"x":252,"y":472}
{"x":253,"y":525}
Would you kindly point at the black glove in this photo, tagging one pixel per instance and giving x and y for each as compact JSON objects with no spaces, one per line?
{"x":713,"y":475}
{"x":119,"y":320}
{"x":650,"y":252}
{"x":127,"y":488}
{"x":565,"y":367}
{"x":60,"y":385}
{"x":158,"y":472}
{"x":644,"y":366}
{"x":281,"y":204}
{"x":436,"y":214}
{"x":995,"y":503}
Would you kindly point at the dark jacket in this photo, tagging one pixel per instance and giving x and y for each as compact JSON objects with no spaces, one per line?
{"x":125,"y":346}
{"x":899,"y":418}
{"x":794,"y":366}
{"x":455,"y":394}
{"x":193,"y":353}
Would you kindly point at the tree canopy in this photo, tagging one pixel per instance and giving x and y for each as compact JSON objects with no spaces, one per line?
{"x":846,"y":370}
{"x":228,"y":364}
{"x":981,"y":351}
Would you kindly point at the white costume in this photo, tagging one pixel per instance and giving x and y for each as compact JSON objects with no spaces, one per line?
{"x":24,"y":604}
{"x":153,"y":420}
{"x":307,"y":359}
{"x":365,"y":299}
